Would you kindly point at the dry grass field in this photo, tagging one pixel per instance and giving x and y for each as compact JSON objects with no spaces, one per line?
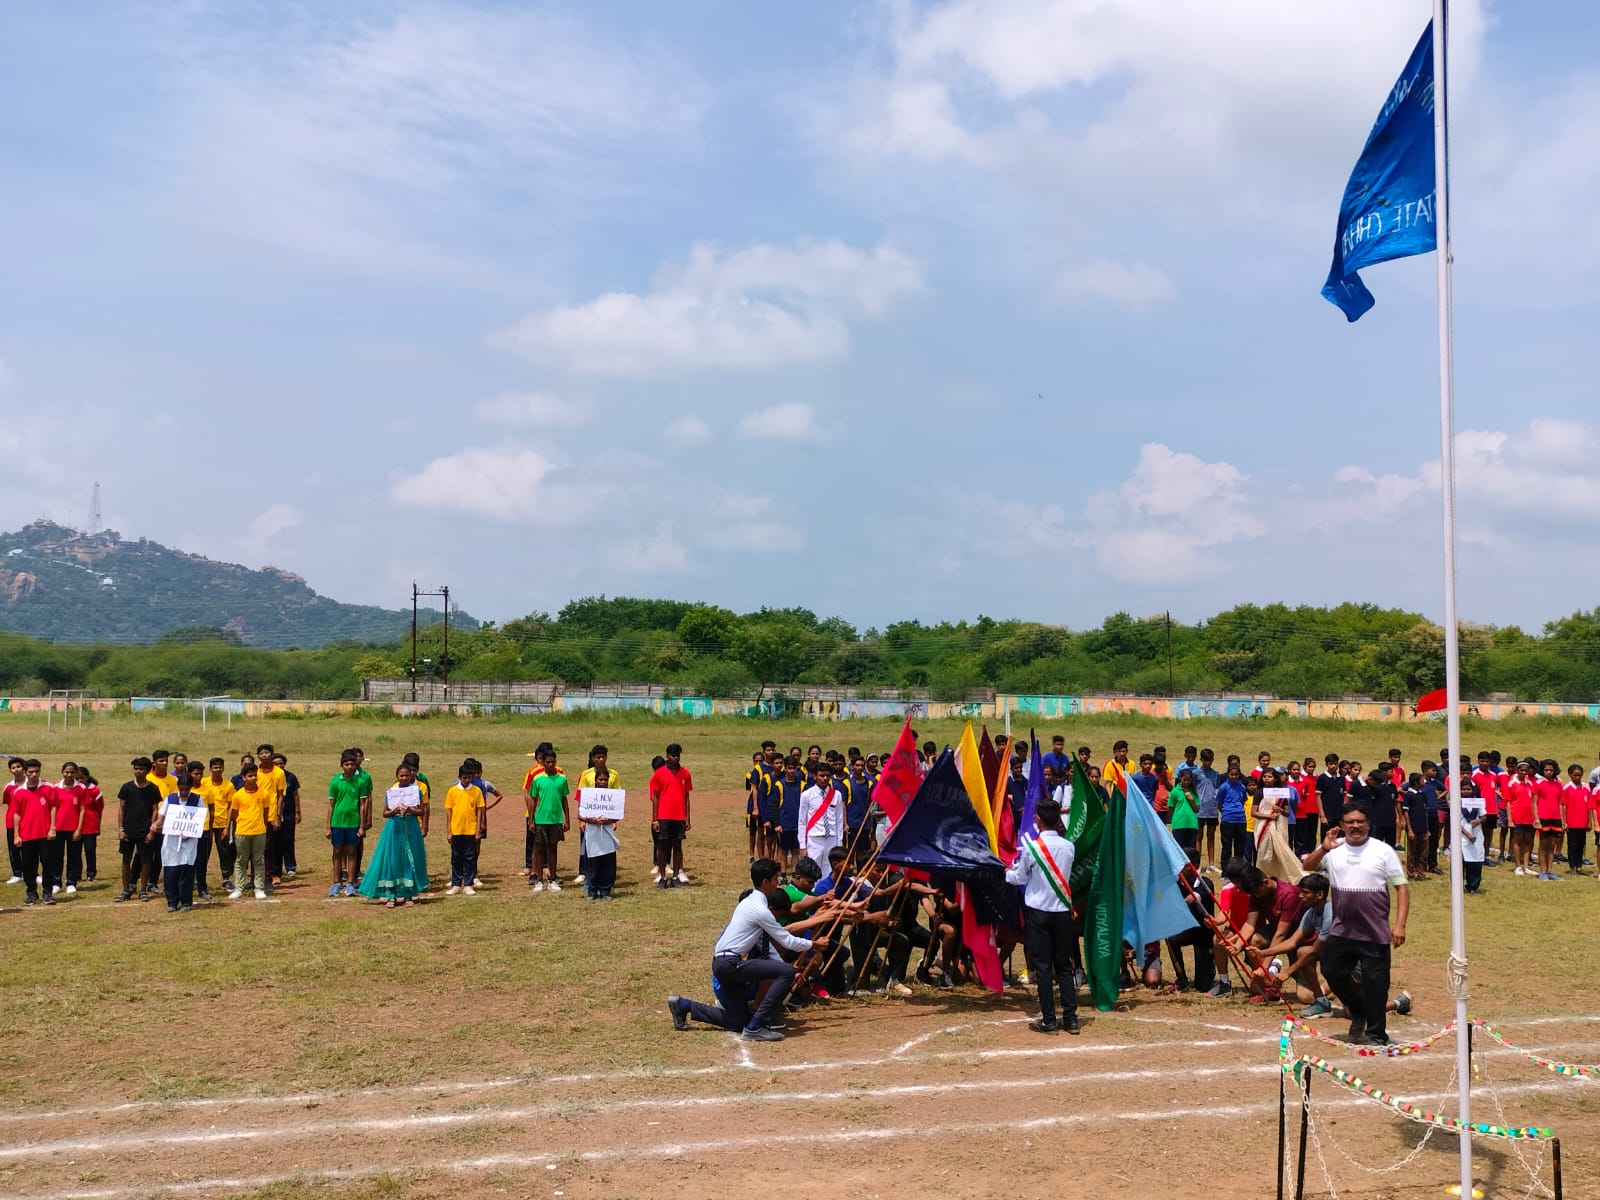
{"x":512,"y":1043}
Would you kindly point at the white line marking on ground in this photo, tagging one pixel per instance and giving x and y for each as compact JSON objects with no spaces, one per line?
{"x":896,"y":1057}
{"x":719,"y":1146}
{"x":907,"y":1047}
{"x":155,"y":1139}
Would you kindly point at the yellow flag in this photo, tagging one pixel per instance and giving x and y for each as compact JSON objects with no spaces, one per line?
{"x":972,"y":779}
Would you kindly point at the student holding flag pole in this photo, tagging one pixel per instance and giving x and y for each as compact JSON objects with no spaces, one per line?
{"x":1042,"y":870}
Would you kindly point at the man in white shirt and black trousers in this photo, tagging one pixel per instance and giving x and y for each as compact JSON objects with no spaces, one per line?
{"x":746,"y":953}
{"x":1043,"y":870}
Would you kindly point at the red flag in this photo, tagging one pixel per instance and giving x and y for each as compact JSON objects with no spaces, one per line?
{"x":1006,"y":834}
{"x":979,"y":939}
{"x":1432,"y":702}
{"x":987,"y":758}
{"x":900,"y":777}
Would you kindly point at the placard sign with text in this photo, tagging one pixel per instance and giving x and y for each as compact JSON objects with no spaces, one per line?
{"x":185,"y":821}
{"x":601,"y":804}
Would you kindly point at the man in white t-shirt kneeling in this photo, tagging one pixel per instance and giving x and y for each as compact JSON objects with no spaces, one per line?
{"x":1365,"y":926}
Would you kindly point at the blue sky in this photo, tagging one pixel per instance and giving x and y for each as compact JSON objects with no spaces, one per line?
{"x":886,"y":309}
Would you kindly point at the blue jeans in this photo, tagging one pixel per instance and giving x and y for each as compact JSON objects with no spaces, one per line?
{"x":733,"y":975}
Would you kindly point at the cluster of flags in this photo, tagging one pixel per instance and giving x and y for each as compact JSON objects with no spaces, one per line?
{"x":956,"y":822}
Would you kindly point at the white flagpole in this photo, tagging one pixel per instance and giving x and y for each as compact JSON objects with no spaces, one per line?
{"x":1457,"y":969}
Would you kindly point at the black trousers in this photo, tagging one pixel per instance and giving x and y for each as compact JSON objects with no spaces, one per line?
{"x":461,"y":859}
{"x":54,"y":857}
{"x":202,"y":862}
{"x":1187,"y":839}
{"x":32,"y":853}
{"x":179,"y":884}
{"x":1575,"y":846}
{"x":1471,"y":876}
{"x":1205,"y":965}
{"x":227,"y":856}
{"x":602,"y":874}
{"x":12,"y":852}
{"x":286,"y":854}
{"x":1365,"y":1000}
{"x":1435,"y":827}
{"x":141,"y":863}
{"x":1305,"y":834}
{"x":1051,"y":938}
{"x":733,"y":976}
{"x":1236,"y":841}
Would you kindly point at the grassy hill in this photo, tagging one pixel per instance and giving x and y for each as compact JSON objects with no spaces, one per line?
{"x":67,"y":586}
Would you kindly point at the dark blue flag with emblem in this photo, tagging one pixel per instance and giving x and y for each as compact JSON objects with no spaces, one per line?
{"x":1388,"y":207}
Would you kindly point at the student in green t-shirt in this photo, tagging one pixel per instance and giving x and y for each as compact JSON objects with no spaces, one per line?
{"x":549,"y":818}
{"x":349,"y":813}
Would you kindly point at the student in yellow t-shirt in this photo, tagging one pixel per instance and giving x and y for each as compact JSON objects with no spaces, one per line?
{"x":159,"y":775}
{"x":248,"y":828}
{"x":464,"y":806}
{"x":216,"y":790}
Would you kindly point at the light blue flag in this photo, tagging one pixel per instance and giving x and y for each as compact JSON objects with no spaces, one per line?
{"x":1387,"y":210}
{"x":1153,"y":905}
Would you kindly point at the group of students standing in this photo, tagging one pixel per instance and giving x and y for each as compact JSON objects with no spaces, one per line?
{"x":248,"y":820}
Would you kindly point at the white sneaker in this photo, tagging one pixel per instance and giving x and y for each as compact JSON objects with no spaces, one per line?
{"x":476,"y":882}
{"x":683,"y":877}
{"x":554,"y":886}
{"x":536,"y":886}
{"x":72,"y":889}
{"x":235,"y":894}
{"x":1519,"y":871}
{"x":655,"y":875}
{"x":260,"y":895}
{"x":452,"y":890}
{"x":15,"y":879}
{"x":469,"y":891}
{"x":579,"y":880}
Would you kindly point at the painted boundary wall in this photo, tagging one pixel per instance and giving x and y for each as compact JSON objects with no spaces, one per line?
{"x":773,"y":707}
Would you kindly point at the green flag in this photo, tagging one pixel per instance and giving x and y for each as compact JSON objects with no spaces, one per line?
{"x":1085,"y":824}
{"x":1102,"y":925}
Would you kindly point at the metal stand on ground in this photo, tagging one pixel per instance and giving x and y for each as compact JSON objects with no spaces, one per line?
{"x":1283,"y":1128}
{"x":1305,"y":1124}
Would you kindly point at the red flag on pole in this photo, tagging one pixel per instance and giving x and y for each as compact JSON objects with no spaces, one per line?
{"x":1432,"y":702}
{"x":900,"y":777}
{"x":979,"y":939}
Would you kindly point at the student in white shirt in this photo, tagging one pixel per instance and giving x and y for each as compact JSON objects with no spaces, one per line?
{"x":745,"y":954}
{"x":1042,"y":870}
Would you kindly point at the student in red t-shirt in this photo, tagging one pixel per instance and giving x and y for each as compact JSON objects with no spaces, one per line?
{"x":68,"y":793}
{"x":1487,"y":781}
{"x":81,"y":849}
{"x":669,"y":816}
{"x":11,"y":819}
{"x":1519,"y":810}
{"x":1577,"y":809}
{"x":1547,"y":811}
{"x":34,"y":807}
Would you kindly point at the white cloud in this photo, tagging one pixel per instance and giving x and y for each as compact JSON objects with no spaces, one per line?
{"x":650,"y":555}
{"x":534,"y":410}
{"x":687,"y":431}
{"x":273,"y":520}
{"x":753,"y":309}
{"x":370,"y":136}
{"x":1151,"y":86}
{"x":1132,"y":286}
{"x":780,"y":423}
{"x":504,"y":485}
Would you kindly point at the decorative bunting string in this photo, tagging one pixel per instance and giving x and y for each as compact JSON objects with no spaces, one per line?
{"x":1572,"y":1070}
{"x":1412,"y":1112}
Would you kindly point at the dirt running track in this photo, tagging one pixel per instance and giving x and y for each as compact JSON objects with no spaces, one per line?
{"x":864,"y":1099}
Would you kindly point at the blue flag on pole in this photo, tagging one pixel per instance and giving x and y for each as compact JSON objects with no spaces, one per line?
{"x":1387,"y":210}
{"x":1153,"y":905}
{"x":1035,"y":790}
